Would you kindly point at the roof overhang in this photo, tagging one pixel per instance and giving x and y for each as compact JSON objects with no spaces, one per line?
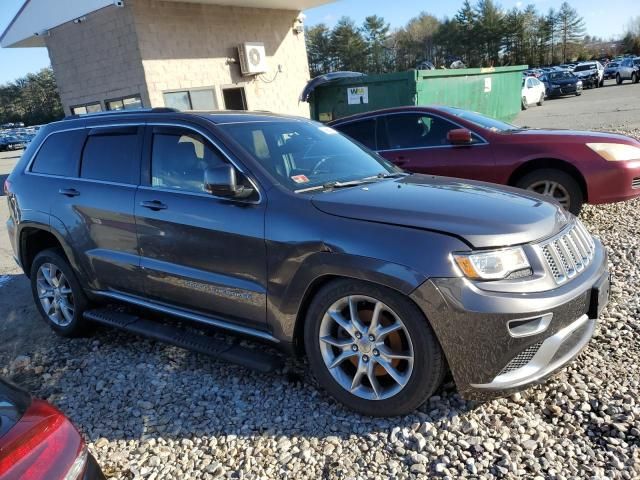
{"x":36,"y":17}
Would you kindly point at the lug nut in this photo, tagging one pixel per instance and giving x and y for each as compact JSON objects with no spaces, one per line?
{"x":354,"y":348}
{"x":358,"y":335}
{"x":372,"y":338}
{"x":365,"y":359}
{"x":375,"y":352}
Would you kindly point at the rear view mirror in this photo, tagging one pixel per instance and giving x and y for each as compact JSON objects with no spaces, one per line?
{"x":222,"y":182}
{"x":460,"y":136}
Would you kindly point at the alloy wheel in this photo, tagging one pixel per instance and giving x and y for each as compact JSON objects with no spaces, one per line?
{"x":55,"y":294}
{"x":366,"y":347}
{"x":552,"y":189}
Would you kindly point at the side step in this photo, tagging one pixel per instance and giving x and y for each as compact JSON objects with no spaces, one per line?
{"x":247,"y":357}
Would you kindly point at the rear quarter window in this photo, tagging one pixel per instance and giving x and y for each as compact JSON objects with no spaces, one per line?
{"x":60,"y":154}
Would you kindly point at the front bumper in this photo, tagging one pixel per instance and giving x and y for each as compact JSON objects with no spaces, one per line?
{"x":614,"y":182}
{"x":564,"y":90}
{"x":475,"y":328}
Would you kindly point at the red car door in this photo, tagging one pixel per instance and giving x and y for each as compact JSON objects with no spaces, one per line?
{"x":417,"y":142}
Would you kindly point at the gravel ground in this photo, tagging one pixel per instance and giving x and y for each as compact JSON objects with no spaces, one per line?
{"x":153,"y":411}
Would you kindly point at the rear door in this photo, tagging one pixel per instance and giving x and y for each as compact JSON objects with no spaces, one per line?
{"x":94,"y":206}
{"x":418,"y":143}
{"x":199,"y":252}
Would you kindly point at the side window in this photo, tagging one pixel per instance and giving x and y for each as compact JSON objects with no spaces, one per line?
{"x":363,"y":132}
{"x":179,"y":160}
{"x":60,"y":154}
{"x":529,"y":83}
{"x":112,"y":156}
{"x":417,"y":130}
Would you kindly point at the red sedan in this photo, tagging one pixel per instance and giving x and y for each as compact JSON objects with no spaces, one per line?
{"x":37,"y":442}
{"x":572,"y":167}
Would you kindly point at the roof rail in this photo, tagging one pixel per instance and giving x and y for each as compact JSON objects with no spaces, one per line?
{"x":123,"y":112}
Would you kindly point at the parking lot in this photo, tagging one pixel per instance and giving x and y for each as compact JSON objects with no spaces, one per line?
{"x":153,"y":411}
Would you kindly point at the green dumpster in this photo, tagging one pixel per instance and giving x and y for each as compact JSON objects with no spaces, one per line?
{"x":495,"y":92}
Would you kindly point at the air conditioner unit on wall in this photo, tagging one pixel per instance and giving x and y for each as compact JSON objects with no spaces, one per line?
{"x":253,"y":58}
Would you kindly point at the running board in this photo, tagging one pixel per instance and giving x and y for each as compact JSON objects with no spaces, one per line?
{"x":247,"y":357}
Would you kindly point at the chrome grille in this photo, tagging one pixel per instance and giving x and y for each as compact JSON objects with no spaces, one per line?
{"x":569,"y":253}
{"x":635,"y":183}
{"x":522,"y":358}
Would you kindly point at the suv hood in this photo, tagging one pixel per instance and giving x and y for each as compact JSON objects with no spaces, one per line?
{"x":482,"y":214}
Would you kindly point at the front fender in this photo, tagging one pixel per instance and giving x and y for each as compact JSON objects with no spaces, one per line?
{"x":287,"y":300}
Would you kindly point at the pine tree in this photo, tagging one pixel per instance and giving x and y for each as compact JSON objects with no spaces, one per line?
{"x":570,"y":26}
{"x":375,"y":31}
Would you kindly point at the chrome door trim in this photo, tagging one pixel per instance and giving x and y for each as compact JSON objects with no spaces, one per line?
{"x":188,"y":315}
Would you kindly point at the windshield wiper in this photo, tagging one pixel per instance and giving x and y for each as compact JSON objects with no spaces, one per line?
{"x":336,"y":185}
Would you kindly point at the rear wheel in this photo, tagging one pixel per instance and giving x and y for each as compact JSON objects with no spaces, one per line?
{"x":541,"y":101}
{"x":372,"y":349}
{"x":635,"y":78}
{"x":618,"y":79}
{"x":559,"y":185}
{"x":57,"y":293}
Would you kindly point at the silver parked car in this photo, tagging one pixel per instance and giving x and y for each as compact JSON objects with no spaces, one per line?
{"x":629,"y":69}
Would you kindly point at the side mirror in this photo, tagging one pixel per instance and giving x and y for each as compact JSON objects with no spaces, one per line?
{"x":460,"y":136}
{"x":222,"y":182}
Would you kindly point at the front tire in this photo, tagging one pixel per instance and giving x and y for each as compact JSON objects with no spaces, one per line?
{"x":634,"y":78}
{"x":618,"y":79}
{"x":372,"y":349}
{"x":525,"y":104}
{"x":57,"y":294}
{"x":557,"y":184}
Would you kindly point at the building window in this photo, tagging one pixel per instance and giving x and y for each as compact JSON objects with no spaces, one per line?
{"x":234,"y":98}
{"x":199,"y":99}
{"x":87,"y":108}
{"x":126,"y":103}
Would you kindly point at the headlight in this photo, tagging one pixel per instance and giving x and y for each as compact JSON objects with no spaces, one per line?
{"x":579,"y":83}
{"x":493,"y":265}
{"x":615,"y":152}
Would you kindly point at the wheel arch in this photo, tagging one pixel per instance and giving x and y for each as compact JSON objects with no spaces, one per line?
{"x":551,"y":163}
{"x":36,"y":238}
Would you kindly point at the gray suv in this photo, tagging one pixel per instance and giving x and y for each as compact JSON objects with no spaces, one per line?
{"x":629,"y":69}
{"x":283,"y":230}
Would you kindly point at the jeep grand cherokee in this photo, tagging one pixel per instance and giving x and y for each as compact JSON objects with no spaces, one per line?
{"x":284,"y":230}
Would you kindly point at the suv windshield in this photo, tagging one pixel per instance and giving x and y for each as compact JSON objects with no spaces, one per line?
{"x":480,"y":120}
{"x":560,"y":75}
{"x":583,"y":68}
{"x":302,"y":155}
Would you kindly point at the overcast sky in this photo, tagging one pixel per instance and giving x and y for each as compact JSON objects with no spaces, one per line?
{"x":603,"y":18}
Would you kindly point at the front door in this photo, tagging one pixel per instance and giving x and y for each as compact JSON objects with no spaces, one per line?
{"x":199,"y":253}
{"x":418,"y":143}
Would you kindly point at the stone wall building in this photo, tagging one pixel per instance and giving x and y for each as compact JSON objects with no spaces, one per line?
{"x":111,"y":55}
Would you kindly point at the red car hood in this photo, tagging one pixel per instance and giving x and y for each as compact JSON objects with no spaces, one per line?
{"x":567,"y":136}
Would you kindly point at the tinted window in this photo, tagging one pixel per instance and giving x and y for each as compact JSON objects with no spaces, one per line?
{"x":363,"y":132}
{"x":59,"y":154}
{"x":112,"y":158}
{"x":480,"y":120}
{"x":415,"y":131}
{"x":180,"y":159}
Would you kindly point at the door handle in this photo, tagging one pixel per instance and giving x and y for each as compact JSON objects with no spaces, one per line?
{"x":154,"y":205}
{"x":69,"y":192}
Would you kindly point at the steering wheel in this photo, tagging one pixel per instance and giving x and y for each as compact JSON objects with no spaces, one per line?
{"x":316,"y":168}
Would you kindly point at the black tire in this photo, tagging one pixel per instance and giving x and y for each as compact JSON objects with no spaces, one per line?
{"x":541,"y":101}
{"x":567,"y":181}
{"x":429,"y":363}
{"x":634,"y":78}
{"x":602,"y":83}
{"x":525,"y":105}
{"x":78,"y":325}
{"x":618,"y":79}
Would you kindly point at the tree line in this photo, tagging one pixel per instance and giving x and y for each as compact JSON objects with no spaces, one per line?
{"x":32,"y":99}
{"x":480,"y":35}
